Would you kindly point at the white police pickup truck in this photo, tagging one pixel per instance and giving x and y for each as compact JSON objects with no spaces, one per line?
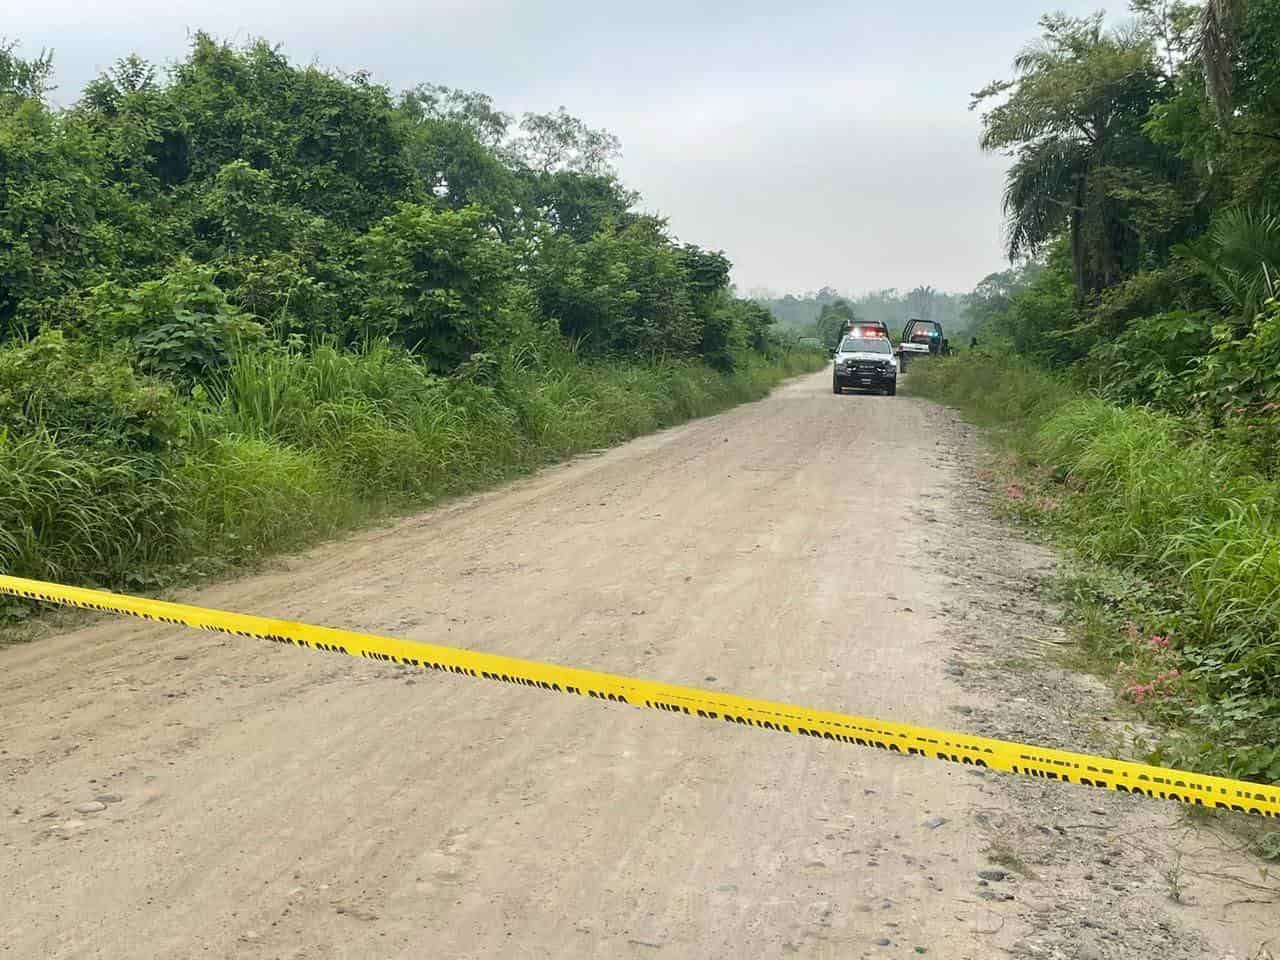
{"x":865,"y":363}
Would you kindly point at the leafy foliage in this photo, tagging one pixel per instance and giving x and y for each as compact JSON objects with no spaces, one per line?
{"x":1137,"y":369}
{"x":1073,"y":118}
{"x":244,"y":303}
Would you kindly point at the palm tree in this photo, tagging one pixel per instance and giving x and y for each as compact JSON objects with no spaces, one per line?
{"x":1045,"y":191}
{"x":1073,"y":114}
{"x":1240,"y":255}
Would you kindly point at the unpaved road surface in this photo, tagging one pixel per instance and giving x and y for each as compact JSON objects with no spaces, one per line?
{"x":837,"y":552}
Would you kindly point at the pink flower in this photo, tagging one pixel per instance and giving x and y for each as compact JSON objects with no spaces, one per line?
{"x":1140,"y":691}
{"x":1159,"y":642}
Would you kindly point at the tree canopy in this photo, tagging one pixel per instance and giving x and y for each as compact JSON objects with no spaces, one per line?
{"x":321,"y":205}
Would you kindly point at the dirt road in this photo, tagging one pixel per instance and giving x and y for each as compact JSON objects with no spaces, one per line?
{"x":262,"y":802}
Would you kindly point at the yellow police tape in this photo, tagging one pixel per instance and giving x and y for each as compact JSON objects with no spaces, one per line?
{"x":901,"y":738}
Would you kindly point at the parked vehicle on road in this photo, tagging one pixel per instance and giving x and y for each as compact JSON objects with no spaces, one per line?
{"x":920,"y":338}
{"x":865,"y":363}
{"x":865,"y":328}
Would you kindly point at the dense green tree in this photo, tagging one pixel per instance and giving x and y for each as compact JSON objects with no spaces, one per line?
{"x":21,"y":79}
{"x":833,"y":320}
{"x":176,"y":212}
{"x":991,"y":298}
{"x":438,"y":281}
{"x":331,"y":143}
{"x":56,"y":204}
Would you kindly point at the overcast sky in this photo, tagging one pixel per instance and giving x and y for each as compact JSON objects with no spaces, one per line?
{"x":815,"y":143}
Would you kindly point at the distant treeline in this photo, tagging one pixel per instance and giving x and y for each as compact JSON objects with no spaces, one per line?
{"x":800,"y":314}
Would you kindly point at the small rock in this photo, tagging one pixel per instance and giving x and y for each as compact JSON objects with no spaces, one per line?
{"x":342,"y":910}
{"x":988,"y":895}
{"x":1087,"y":952}
{"x":881,"y":941}
{"x":109,"y":798}
{"x":952,"y":670}
{"x":992,"y":874}
{"x":93,"y":806}
{"x":709,"y":679}
{"x":934,"y":823}
{"x":182,"y":656}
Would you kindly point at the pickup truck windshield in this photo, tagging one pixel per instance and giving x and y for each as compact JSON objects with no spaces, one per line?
{"x":868,"y":345}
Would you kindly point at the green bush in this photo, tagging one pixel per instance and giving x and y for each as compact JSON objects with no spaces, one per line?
{"x":180,"y":326}
{"x":84,"y":396}
{"x":1180,"y":507}
{"x":107,"y":477}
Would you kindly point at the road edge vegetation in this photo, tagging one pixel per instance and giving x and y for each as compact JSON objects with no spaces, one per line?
{"x":1175,"y":543}
{"x":246,"y":304}
{"x":293,"y":446}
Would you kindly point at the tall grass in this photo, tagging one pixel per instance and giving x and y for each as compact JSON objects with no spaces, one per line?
{"x":1173,"y":503}
{"x":66,"y":515}
{"x":289,"y":446}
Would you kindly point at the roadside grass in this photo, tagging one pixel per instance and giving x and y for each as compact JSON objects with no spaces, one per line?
{"x":1175,"y":588}
{"x":290,"y":446}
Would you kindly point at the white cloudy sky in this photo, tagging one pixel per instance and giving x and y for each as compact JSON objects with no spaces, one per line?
{"x":816,"y":143}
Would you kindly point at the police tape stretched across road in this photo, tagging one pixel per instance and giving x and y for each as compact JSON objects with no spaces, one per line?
{"x":1048,"y":764}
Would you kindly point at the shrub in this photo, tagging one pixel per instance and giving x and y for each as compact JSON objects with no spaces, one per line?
{"x":1180,"y":507}
{"x":84,"y":396}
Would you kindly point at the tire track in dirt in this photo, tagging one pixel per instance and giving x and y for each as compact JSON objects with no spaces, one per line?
{"x":806,"y":548}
